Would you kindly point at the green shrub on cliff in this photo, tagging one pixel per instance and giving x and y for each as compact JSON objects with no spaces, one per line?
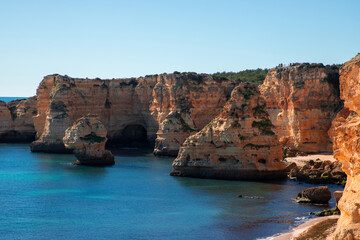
{"x":256,"y":76}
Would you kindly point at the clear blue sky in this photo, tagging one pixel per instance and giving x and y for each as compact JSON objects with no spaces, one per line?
{"x":109,"y":38}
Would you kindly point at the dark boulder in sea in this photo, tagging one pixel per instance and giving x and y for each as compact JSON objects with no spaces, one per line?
{"x":320,"y":195}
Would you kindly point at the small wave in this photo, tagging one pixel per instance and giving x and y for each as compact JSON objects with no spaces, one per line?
{"x":301,"y":220}
{"x":269,"y":238}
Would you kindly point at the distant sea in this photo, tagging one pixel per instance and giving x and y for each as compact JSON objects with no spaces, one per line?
{"x":9,"y":99}
{"x":44,"y":196}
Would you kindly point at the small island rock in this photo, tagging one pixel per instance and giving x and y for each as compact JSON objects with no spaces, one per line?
{"x":87,"y":137}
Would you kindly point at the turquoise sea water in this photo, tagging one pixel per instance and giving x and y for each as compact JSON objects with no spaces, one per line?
{"x":44,"y":196}
{"x":9,"y":99}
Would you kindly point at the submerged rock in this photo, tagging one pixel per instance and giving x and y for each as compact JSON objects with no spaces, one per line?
{"x":87,"y":137}
{"x":328,"y":212}
{"x":238,"y":144}
{"x":320,"y":195}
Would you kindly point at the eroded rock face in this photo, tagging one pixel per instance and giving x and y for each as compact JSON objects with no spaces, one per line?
{"x":238,"y":144}
{"x":87,"y":137}
{"x":16,"y":120}
{"x":337,"y":121}
{"x":302,"y":100}
{"x":131,"y":109}
{"x":172,"y":132}
{"x":347,"y":150}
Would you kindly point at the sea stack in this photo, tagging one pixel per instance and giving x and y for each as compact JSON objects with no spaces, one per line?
{"x":347,"y":150}
{"x":302,"y":99}
{"x":87,"y":137}
{"x":240,"y":143}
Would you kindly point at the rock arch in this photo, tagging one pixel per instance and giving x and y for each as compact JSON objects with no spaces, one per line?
{"x":132,"y":135}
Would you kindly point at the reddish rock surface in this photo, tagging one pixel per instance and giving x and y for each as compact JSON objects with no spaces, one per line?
{"x":16,"y":120}
{"x":172,"y":132}
{"x":338,"y":120}
{"x":302,"y":100}
{"x":130,"y":109}
{"x":238,"y":144}
{"x":347,"y":150}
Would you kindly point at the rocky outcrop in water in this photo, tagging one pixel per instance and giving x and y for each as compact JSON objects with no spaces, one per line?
{"x":239,"y":143}
{"x":302,"y":100}
{"x":131,"y":109}
{"x":320,"y":195}
{"x":347,"y":150}
{"x":87,"y":137}
{"x":16,"y":120}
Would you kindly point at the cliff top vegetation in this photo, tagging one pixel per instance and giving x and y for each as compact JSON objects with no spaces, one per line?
{"x":256,"y":76}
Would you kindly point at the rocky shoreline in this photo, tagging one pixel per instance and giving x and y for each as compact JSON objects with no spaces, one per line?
{"x":216,"y":127}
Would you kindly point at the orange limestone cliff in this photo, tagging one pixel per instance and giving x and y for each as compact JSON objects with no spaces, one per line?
{"x":16,"y":120}
{"x":240,"y":143}
{"x":347,"y":150}
{"x":135,"y":111}
{"x":184,"y":104}
{"x":302,"y":100}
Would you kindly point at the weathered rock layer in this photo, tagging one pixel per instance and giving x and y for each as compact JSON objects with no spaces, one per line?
{"x":347,"y":150}
{"x":87,"y":137}
{"x":238,"y":144}
{"x":131,"y":109}
{"x":302,"y":100}
{"x":16,"y":120}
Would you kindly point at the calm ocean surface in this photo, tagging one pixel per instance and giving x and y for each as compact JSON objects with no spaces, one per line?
{"x":8,"y":99}
{"x":43,"y":196}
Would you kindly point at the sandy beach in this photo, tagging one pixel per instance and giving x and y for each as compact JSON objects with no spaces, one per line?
{"x":302,"y":160}
{"x":314,"y":229}
{"x":317,"y":227}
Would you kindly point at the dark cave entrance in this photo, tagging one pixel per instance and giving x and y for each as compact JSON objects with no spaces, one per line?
{"x":133,"y":135}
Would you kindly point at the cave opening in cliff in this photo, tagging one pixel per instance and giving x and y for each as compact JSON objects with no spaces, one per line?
{"x":134,"y":135}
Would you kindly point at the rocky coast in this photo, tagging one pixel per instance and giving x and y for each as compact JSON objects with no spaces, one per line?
{"x":346,"y":149}
{"x":240,"y":143}
{"x":16,"y":120}
{"x":135,"y":111}
{"x":302,"y":100}
{"x":345,"y":136}
{"x":215,"y":127}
